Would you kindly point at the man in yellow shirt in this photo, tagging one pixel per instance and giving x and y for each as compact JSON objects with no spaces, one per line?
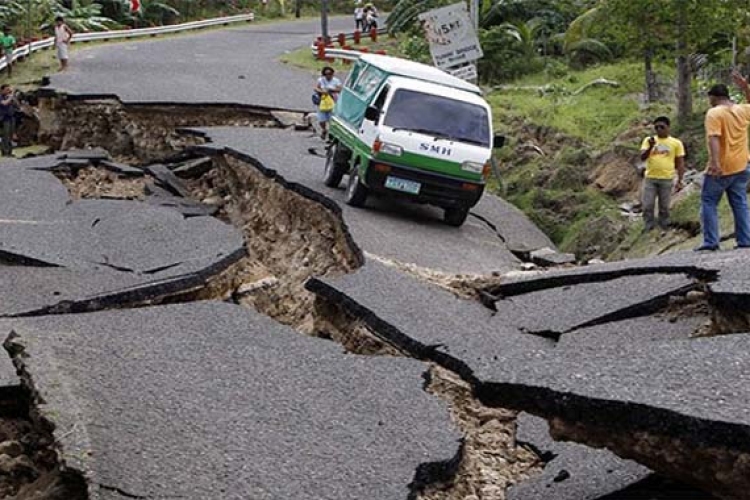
{"x":664,"y":155}
{"x":726,"y":134}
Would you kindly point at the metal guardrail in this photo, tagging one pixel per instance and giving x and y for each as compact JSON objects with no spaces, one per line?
{"x":350,"y":55}
{"x":28,"y":49}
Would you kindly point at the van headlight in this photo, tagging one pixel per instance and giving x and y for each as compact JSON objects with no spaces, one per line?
{"x":473,"y":167}
{"x":391,"y":149}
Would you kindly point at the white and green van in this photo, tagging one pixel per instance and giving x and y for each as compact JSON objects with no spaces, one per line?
{"x":409,"y":130}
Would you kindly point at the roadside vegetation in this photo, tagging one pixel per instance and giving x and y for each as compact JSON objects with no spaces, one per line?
{"x":574,"y":85}
{"x":30,"y":19}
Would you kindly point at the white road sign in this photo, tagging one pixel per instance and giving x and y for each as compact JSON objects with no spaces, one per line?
{"x":451,"y":36}
{"x":467,"y":72}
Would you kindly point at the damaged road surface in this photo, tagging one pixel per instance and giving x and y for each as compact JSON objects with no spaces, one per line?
{"x":386,"y":229}
{"x":148,"y":352}
{"x":91,"y":254}
{"x":659,"y":395}
{"x":211,"y":400}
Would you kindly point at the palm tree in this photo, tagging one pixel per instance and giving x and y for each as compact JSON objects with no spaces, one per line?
{"x":526,"y":34}
{"x":577,"y":43}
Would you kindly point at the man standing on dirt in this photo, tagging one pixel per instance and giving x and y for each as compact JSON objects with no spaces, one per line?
{"x":7,"y":118}
{"x":63,"y":34}
{"x":728,"y":153}
{"x":8,"y":44}
{"x":663,"y":155}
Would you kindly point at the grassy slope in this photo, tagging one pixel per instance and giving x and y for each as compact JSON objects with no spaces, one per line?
{"x":577,"y":132}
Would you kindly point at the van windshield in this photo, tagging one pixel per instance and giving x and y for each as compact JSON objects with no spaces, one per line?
{"x":438,"y":116}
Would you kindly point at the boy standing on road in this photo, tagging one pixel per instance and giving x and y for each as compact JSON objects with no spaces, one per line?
{"x":7,"y":43}
{"x":7,"y":118}
{"x":663,"y":155}
{"x":63,"y":34}
{"x":726,"y":134}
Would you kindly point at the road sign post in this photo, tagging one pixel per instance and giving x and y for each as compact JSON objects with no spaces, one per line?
{"x":324,"y":20}
{"x":453,"y":40}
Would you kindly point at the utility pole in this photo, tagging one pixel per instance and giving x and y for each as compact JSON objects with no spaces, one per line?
{"x":324,"y":20}
{"x":28,"y":21}
{"x":297,"y":8}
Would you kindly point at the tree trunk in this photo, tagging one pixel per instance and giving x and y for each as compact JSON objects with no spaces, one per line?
{"x":652,"y":92}
{"x":684,"y":73}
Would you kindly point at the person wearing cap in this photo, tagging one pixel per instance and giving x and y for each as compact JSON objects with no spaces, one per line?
{"x":727,"y":172}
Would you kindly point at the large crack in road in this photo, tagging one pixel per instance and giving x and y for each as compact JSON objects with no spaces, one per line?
{"x":298,"y":249}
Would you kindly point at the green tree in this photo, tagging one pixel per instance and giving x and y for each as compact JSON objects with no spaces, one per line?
{"x":672,"y":28}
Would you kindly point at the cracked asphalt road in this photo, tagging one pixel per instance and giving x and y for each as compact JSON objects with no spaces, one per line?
{"x":621,"y":380}
{"x":408,"y":233}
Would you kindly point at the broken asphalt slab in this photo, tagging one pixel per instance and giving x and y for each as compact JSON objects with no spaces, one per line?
{"x":123,"y":235}
{"x":442,"y":327}
{"x":110,"y":250}
{"x":571,"y":471}
{"x":560,"y":310}
{"x":210,"y":399}
{"x":691,"y":392}
{"x":461,"y":334}
{"x":680,"y":407}
{"x":577,"y":472}
{"x":390,"y":229}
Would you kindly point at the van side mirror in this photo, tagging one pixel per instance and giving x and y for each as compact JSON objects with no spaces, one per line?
{"x":498,"y":141}
{"x":372,"y":113}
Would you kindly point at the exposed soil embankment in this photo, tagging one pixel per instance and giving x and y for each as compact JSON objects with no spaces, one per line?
{"x":724,"y":472}
{"x":142,"y":132}
{"x":30,"y":464}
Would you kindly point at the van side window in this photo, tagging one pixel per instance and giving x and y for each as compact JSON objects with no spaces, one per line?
{"x":353,"y":74}
{"x":368,"y":82}
{"x":380,"y":101}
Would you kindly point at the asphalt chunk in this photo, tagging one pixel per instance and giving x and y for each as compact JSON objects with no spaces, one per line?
{"x":193,"y":399}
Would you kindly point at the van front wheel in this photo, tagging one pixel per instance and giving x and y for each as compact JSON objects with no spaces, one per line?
{"x":335,"y":168}
{"x":456,"y":216}
{"x":356,"y":192}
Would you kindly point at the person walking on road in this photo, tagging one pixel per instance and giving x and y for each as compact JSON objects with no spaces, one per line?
{"x":8,"y":44}
{"x":63,"y":35}
{"x":7,"y":118}
{"x":727,"y":172}
{"x":327,"y":87}
{"x":664,"y":155}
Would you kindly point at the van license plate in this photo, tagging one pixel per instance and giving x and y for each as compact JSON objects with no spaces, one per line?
{"x":397,"y":184}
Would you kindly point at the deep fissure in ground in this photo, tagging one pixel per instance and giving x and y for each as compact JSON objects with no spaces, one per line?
{"x":291,"y":235}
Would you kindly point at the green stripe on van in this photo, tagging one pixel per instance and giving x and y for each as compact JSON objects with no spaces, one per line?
{"x":451,"y":168}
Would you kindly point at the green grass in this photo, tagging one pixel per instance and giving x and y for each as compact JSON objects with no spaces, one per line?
{"x":597,"y":115}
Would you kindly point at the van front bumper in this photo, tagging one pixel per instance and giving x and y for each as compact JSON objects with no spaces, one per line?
{"x":435,"y":189}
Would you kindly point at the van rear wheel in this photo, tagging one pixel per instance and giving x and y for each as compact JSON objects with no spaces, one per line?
{"x":456,"y":216}
{"x":356,"y":192}
{"x":336,"y":164}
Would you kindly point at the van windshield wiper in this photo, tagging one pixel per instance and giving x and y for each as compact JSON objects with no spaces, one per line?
{"x":471,"y":141}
